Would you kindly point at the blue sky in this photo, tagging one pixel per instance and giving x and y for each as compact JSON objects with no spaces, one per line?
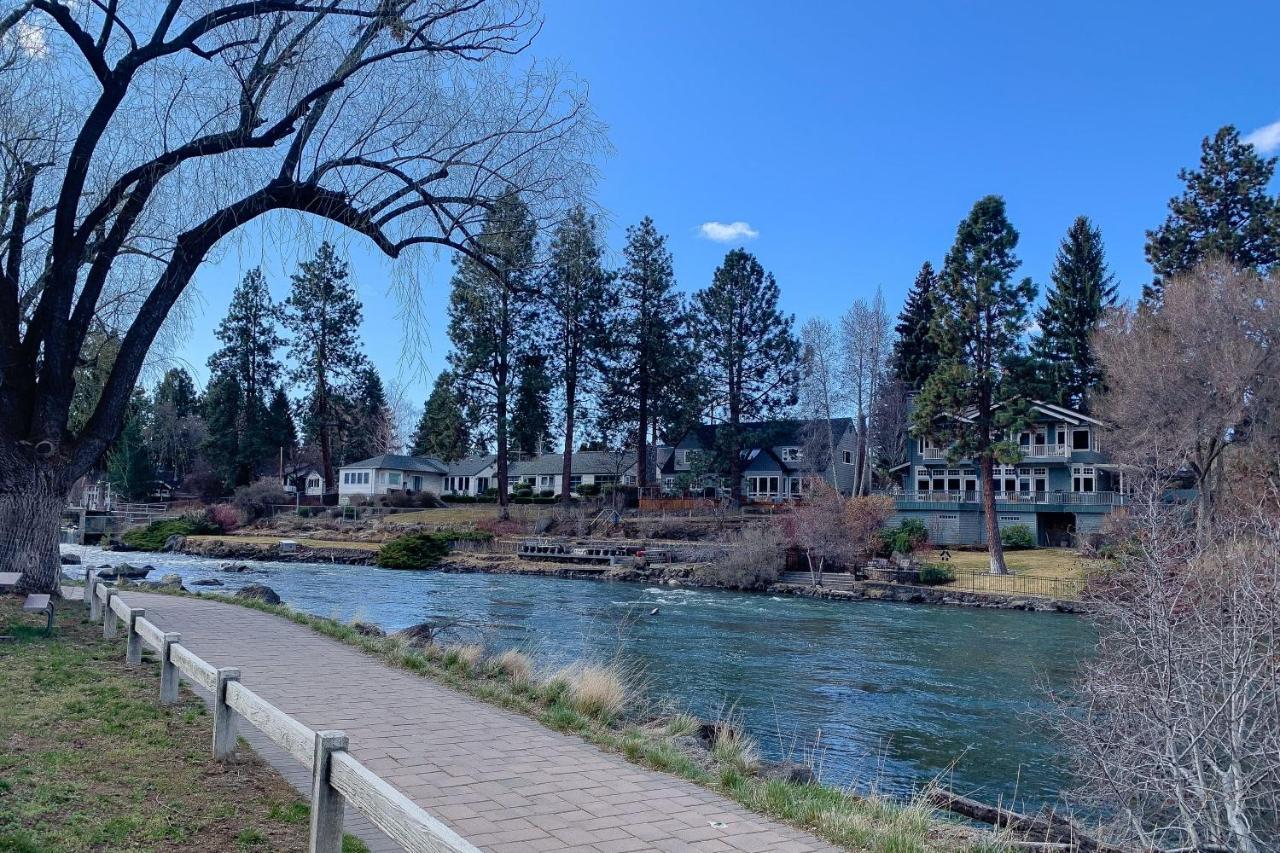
{"x":853,"y":137}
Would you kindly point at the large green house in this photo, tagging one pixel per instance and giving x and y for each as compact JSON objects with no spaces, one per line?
{"x":1061,"y":488}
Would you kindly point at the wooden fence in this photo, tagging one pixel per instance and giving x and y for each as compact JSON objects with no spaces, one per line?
{"x":337,"y":778}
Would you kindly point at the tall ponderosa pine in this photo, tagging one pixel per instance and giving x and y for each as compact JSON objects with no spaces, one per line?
{"x":750,"y":353}
{"x":577,"y":290}
{"x":531,"y":408}
{"x":442,"y":432}
{"x":1225,"y":211}
{"x":915,"y":355}
{"x":279,"y":429}
{"x":176,"y":426}
{"x":323,"y":315}
{"x":365,"y":423}
{"x":652,"y":375}
{"x":981,"y":317}
{"x":221,"y":407}
{"x":249,"y":339}
{"x":490,"y":321}
{"x":1083,"y":288}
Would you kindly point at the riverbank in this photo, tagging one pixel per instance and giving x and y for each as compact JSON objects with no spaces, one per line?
{"x":838,"y":588}
{"x":91,"y":762}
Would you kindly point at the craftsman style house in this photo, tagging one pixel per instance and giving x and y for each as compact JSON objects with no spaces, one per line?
{"x":782,"y":458}
{"x":1062,"y":487}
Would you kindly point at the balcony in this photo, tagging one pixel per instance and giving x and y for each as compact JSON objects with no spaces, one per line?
{"x":1045,"y":451}
{"x":1011,"y":499}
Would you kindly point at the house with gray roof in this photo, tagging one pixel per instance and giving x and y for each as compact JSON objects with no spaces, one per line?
{"x":473,"y":475}
{"x":545,"y":472}
{"x":390,"y":472}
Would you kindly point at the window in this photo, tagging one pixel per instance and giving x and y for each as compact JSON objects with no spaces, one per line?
{"x":1080,"y":439}
{"x":1083,"y":479}
{"x":575,"y":480}
{"x":948,"y":516}
{"x":393,"y":478}
{"x":791,"y":454}
{"x":346,"y":478}
{"x":1012,"y":519}
{"x":364,"y":478}
{"x":313,"y":482}
{"x":846,"y":456}
{"x":546,"y":482}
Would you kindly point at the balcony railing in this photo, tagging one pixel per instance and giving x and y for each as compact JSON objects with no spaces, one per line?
{"x":1069,"y":498}
{"x":1045,"y":451}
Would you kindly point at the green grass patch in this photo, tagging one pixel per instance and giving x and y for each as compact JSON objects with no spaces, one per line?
{"x":89,"y":761}
{"x":154,"y":535}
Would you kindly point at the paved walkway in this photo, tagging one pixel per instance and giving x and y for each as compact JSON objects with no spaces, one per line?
{"x":501,"y":780}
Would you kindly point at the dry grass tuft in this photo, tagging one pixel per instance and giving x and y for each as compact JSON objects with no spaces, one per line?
{"x":515,"y":665}
{"x":598,"y":691}
{"x":464,"y":657}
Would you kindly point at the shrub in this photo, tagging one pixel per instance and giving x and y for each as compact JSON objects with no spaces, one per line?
{"x":588,"y":490}
{"x":1017,"y":537}
{"x":933,"y":575}
{"x":735,"y":749}
{"x":412,"y":551}
{"x":522,"y":490}
{"x":225,"y":516}
{"x":400,"y":500}
{"x":154,"y":535}
{"x":258,"y":499}
{"x":451,"y":535}
{"x":906,"y":538}
{"x":753,"y":560}
{"x":547,"y":493}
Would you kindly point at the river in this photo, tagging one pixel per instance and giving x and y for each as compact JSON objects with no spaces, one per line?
{"x":884,"y":696}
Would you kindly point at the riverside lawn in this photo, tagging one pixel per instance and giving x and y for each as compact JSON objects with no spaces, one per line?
{"x":90,"y":761}
{"x":604,"y":706}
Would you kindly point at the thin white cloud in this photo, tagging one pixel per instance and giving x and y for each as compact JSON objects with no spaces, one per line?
{"x":727,"y":232}
{"x":1266,"y":138}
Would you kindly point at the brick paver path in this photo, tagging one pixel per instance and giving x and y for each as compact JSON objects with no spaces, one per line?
{"x":501,"y":780}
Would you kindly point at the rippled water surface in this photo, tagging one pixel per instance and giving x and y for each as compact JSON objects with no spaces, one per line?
{"x":883,"y":694}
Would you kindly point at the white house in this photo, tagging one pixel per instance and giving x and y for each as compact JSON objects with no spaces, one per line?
{"x":599,"y":467}
{"x":471,"y":476}
{"x":389,"y":473}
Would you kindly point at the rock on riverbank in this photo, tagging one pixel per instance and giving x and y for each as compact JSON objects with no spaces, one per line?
{"x":881,"y":591}
{"x":231,"y":550}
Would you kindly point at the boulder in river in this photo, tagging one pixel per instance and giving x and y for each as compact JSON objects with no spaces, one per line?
{"x":174,"y":543}
{"x":259,"y":592}
{"x":207,"y":582}
{"x":70,"y":559}
{"x":364,"y":629}
{"x":789,"y":771}
{"x":237,"y":568}
{"x":171,"y":580}
{"x":126,"y":571}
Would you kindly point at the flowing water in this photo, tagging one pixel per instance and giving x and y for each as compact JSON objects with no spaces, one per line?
{"x":880,"y":695}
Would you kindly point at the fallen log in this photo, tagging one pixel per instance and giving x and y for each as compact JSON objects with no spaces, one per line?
{"x":1049,"y":831}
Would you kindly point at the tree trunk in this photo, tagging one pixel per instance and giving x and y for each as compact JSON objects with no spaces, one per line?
{"x":995,"y":548}
{"x":642,"y":435}
{"x":566,"y":466}
{"x":504,"y":512}
{"x":31,"y":502}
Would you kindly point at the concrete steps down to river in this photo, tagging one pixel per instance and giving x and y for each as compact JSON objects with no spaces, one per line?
{"x":501,"y":780}
{"x":829,"y":580}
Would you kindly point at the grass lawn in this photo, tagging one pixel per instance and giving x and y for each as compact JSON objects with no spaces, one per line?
{"x":1054,"y":564}
{"x":275,"y":540}
{"x":467,"y":514}
{"x":89,"y":761}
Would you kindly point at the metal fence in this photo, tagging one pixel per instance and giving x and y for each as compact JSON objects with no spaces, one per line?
{"x":1036,"y":585}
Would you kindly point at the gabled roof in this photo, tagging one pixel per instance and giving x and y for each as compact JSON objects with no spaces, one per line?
{"x":397,"y":462}
{"x":1070,"y":415}
{"x":471,"y":465}
{"x":584,"y":462}
{"x":788,"y":432}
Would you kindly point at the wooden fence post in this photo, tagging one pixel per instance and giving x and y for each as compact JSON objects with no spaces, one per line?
{"x":95,"y":603}
{"x":168,"y":671}
{"x":88,"y":590}
{"x":326,"y":802}
{"x":224,"y":721}
{"x":133,"y":651}
{"x":108,"y":617}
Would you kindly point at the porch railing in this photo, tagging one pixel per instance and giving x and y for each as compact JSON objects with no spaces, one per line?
{"x":1067,"y":498}
{"x":1045,"y":451}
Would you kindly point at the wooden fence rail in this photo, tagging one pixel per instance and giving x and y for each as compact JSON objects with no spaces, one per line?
{"x":338,"y":778}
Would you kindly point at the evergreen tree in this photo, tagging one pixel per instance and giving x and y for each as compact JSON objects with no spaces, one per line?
{"x":577,"y":289}
{"x":981,"y":315}
{"x":442,"y":432}
{"x":1082,"y":289}
{"x":176,"y":426}
{"x":751,"y":354}
{"x":652,"y":374}
{"x":249,"y":339}
{"x":531,"y":408}
{"x":1224,"y":211}
{"x":366,"y":420}
{"x":323,"y":315}
{"x":491,"y":321}
{"x":129,"y":467}
{"x":915,"y":355}
{"x":221,"y":447}
{"x":280,"y":431}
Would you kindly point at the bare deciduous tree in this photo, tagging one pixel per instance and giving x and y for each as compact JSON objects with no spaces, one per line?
{"x":134,"y":138}
{"x":820,"y":393}
{"x":1176,"y":721}
{"x":826,"y":528}
{"x":866,"y":329}
{"x":1196,"y":380}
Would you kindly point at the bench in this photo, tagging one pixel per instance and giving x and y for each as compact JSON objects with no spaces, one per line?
{"x":39,"y":603}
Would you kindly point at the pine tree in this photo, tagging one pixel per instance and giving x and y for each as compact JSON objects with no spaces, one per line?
{"x":1082,"y":289}
{"x":577,"y":289}
{"x":531,"y":407}
{"x":249,"y":339}
{"x":442,"y":432}
{"x":981,"y":315}
{"x":280,"y":430}
{"x":751,"y":354}
{"x":491,"y":321}
{"x":652,"y":374}
{"x":1224,"y":211}
{"x":915,"y":355}
{"x":366,"y":425}
{"x":323,"y":315}
{"x":221,"y":406}
{"x":176,"y":426}
{"x":129,"y":467}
